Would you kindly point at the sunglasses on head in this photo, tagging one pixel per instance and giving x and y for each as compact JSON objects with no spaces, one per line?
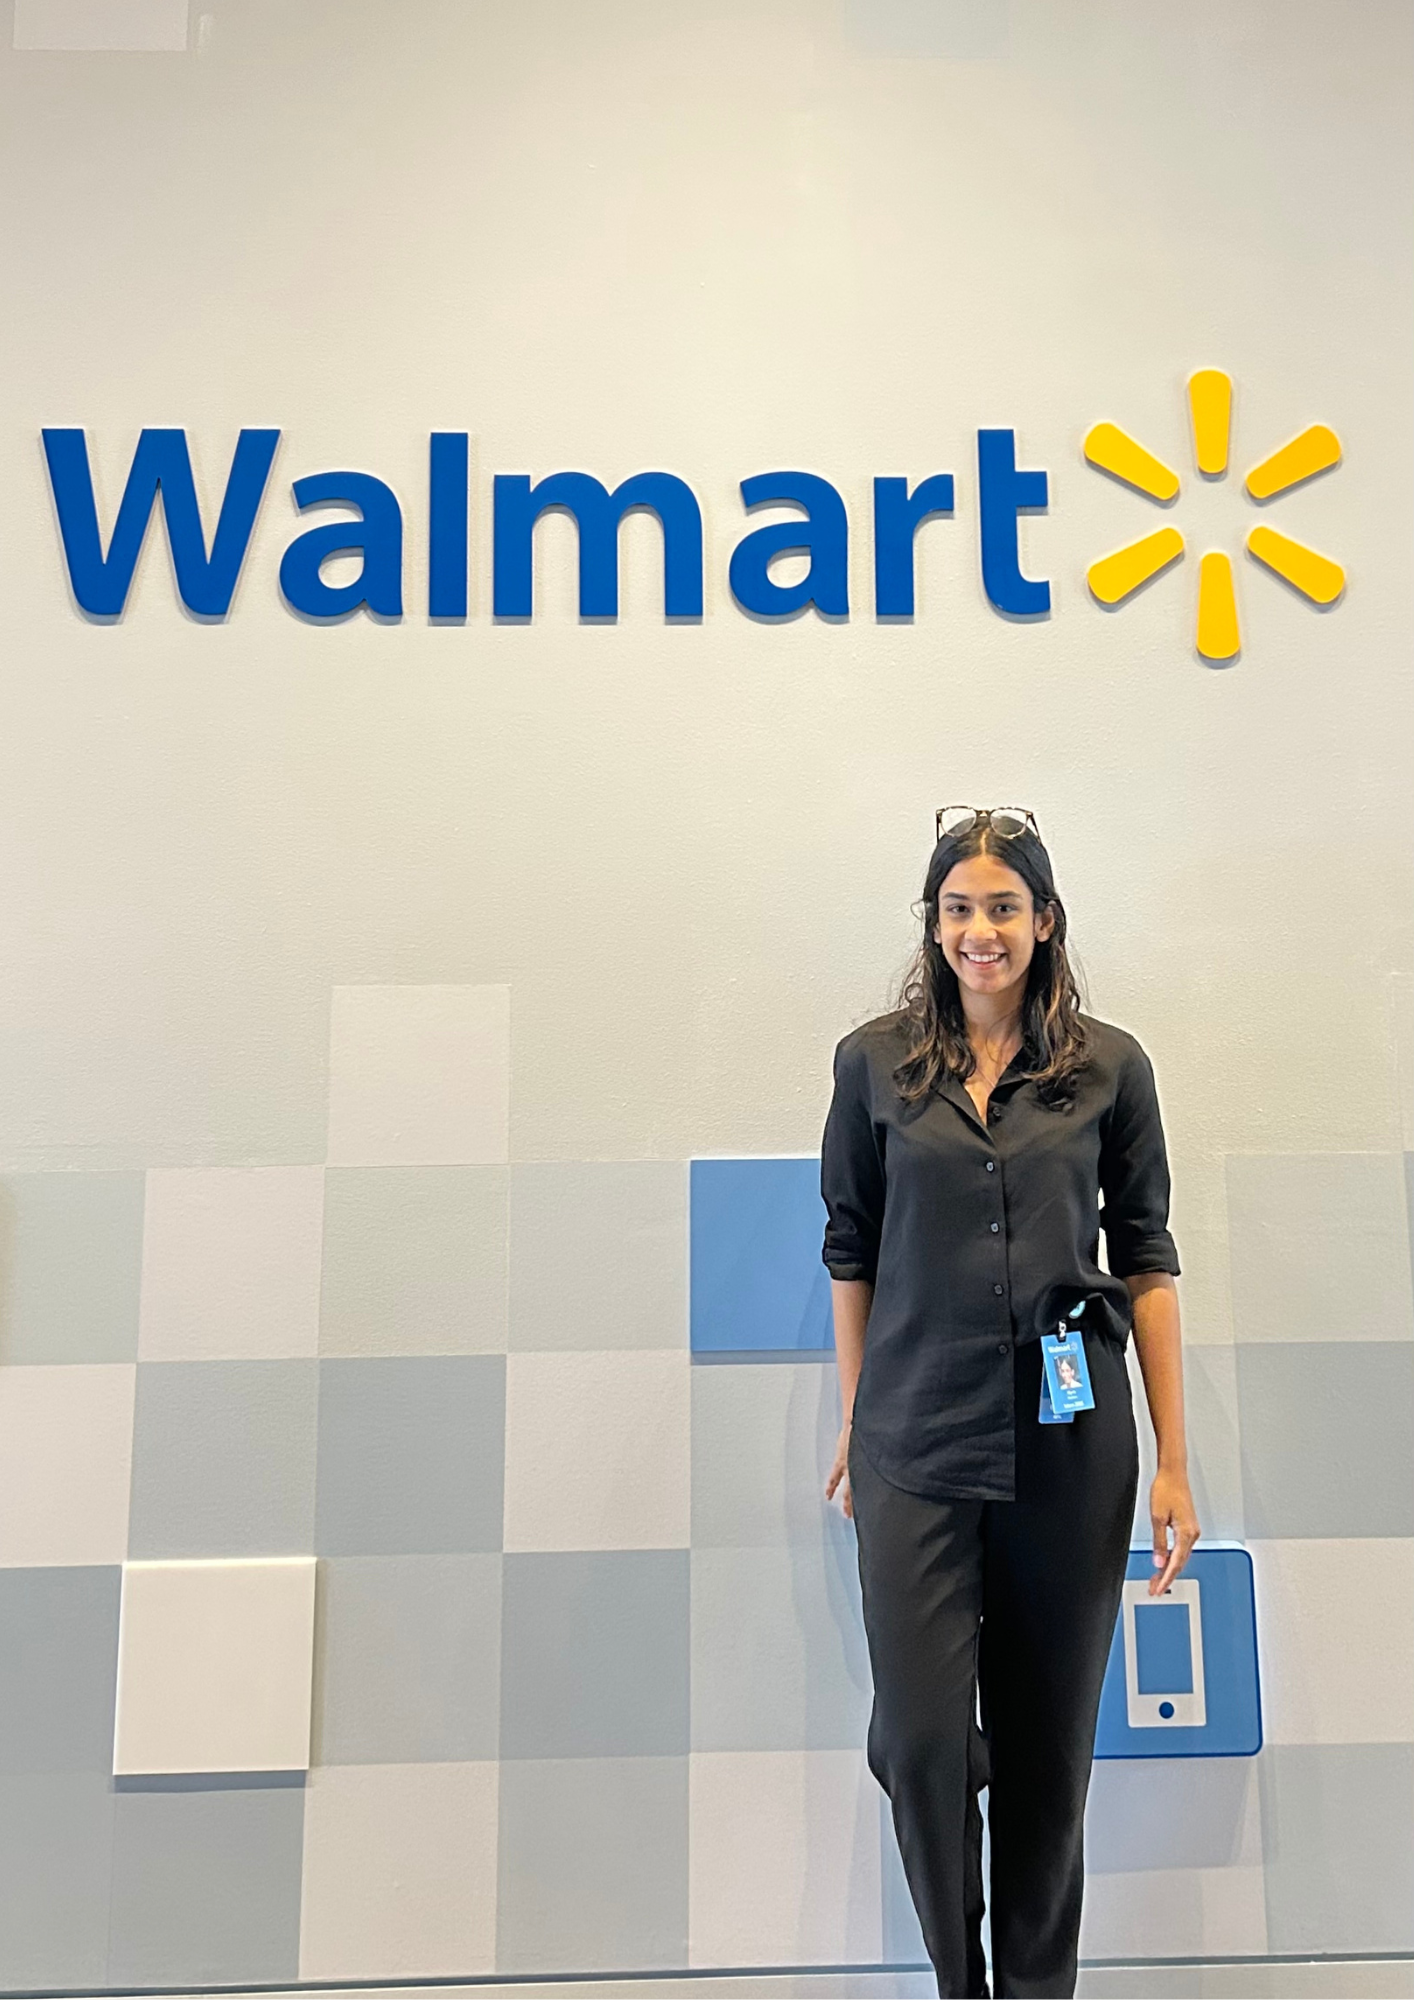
{"x":1005,"y":821}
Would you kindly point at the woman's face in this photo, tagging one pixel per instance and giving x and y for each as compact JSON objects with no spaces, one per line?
{"x":988,"y":926}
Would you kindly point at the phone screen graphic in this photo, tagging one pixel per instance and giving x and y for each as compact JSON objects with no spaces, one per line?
{"x":1165,"y":1655}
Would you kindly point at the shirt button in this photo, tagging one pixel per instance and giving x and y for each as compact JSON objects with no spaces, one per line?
{"x":995,"y":1227}
{"x":1004,"y":1347}
{"x":998,"y":1289}
{"x":991,"y":1166}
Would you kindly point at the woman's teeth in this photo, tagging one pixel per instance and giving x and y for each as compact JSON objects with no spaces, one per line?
{"x":984,"y":957}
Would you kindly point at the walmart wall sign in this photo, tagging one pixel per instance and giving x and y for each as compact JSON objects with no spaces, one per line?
{"x":206,"y":582}
{"x":370,"y":527}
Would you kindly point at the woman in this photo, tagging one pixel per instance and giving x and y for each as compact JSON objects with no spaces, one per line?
{"x":972,"y":1137}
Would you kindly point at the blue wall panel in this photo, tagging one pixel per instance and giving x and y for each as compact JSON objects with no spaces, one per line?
{"x":757,"y":1283}
{"x":1142,"y":1714}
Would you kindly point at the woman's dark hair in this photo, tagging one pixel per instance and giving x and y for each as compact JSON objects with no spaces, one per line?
{"x":1053,"y":1034}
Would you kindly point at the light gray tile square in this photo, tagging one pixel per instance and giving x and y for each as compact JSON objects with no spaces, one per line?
{"x":415,"y":1260}
{"x":1338,"y":1835}
{"x":56,"y":1859}
{"x":763,"y":1439}
{"x":70,"y":1266}
{"x":411,"y":1455}
{"x":1215,"y":1443}
{"x":58,"y":1668}
{"x":1214,"y":1440}
{"x":407,"y":1659}
{"x":223,"y":1458}
{"x":1327,"y":1438}
{"x":1151,"y":1813}
{"x":594,"y":1659}
{"x":599,"y":1254}
{"x":593,"y":1871}
{"x":1319,"y":1246}
{"x":206,"y":1886}
{"x":779,"y":1660}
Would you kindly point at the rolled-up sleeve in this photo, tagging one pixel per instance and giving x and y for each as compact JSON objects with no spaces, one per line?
{"x":1134,"y":1176}
{"x":851,"y":1171}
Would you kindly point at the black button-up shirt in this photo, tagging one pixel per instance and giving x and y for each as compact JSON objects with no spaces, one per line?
{"x":979,"y":1235}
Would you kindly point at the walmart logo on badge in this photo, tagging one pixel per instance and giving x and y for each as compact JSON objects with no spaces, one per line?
{"x":368,"y":526}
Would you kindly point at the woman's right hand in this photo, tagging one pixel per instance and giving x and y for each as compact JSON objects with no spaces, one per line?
{"x":838,"y":1481}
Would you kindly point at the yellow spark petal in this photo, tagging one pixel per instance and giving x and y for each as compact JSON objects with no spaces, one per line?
{"x":1113,"y":450}
{"x":1218,"y":637}
{"x":1315,"y":449}
{"x":1316,"y":577}
{"x":1114,"y":577}
{"x":1210,"y":400}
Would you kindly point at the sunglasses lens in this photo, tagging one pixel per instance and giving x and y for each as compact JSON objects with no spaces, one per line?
{"x":1009,"y":821}
{"x":955,"y":819}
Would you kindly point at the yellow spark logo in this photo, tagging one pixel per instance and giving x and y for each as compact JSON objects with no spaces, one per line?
{"x":1115,"y":577}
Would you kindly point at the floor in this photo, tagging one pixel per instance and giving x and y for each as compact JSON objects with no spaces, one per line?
{"x":1321,"y":1979}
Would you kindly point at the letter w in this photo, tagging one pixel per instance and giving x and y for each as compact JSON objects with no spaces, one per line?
{"x":597,"y":514}
{"x":161,"y":463}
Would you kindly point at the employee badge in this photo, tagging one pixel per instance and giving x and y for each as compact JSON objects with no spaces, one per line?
{"x":1067,"y":1373}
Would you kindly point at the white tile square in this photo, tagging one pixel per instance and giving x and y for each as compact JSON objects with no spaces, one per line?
{"x":66,"y":1447}
{"x":399,"y":1871}
{"x":1148,"y":1814}
{"x":1335,"y":1635}
{"x":230,"y":1263}
{"x":784,"y":1859}
{"x":419,"y":1076}
{"x":215,"y":1666}
{"x":598,"y":1451}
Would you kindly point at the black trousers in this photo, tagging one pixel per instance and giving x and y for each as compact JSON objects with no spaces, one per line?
{"x":1013,"y":1601}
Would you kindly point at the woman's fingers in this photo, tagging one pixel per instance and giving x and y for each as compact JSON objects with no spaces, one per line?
{"x":1185,"y":1534}
{"x":1173,"y":1563}
{"x":1160,"y":1525}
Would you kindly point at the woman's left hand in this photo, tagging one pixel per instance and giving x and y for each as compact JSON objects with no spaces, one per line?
{"x":1171,"y":1506}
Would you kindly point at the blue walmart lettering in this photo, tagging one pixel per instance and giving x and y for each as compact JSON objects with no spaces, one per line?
{"x":371,"y":528}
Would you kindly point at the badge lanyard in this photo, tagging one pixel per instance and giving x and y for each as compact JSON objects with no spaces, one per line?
{"x":1065,"y":1376}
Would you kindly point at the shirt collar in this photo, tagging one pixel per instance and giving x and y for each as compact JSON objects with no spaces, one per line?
{"x":1006,"y":1085}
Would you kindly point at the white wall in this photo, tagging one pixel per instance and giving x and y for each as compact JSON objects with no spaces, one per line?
{"x":713,"y":240}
